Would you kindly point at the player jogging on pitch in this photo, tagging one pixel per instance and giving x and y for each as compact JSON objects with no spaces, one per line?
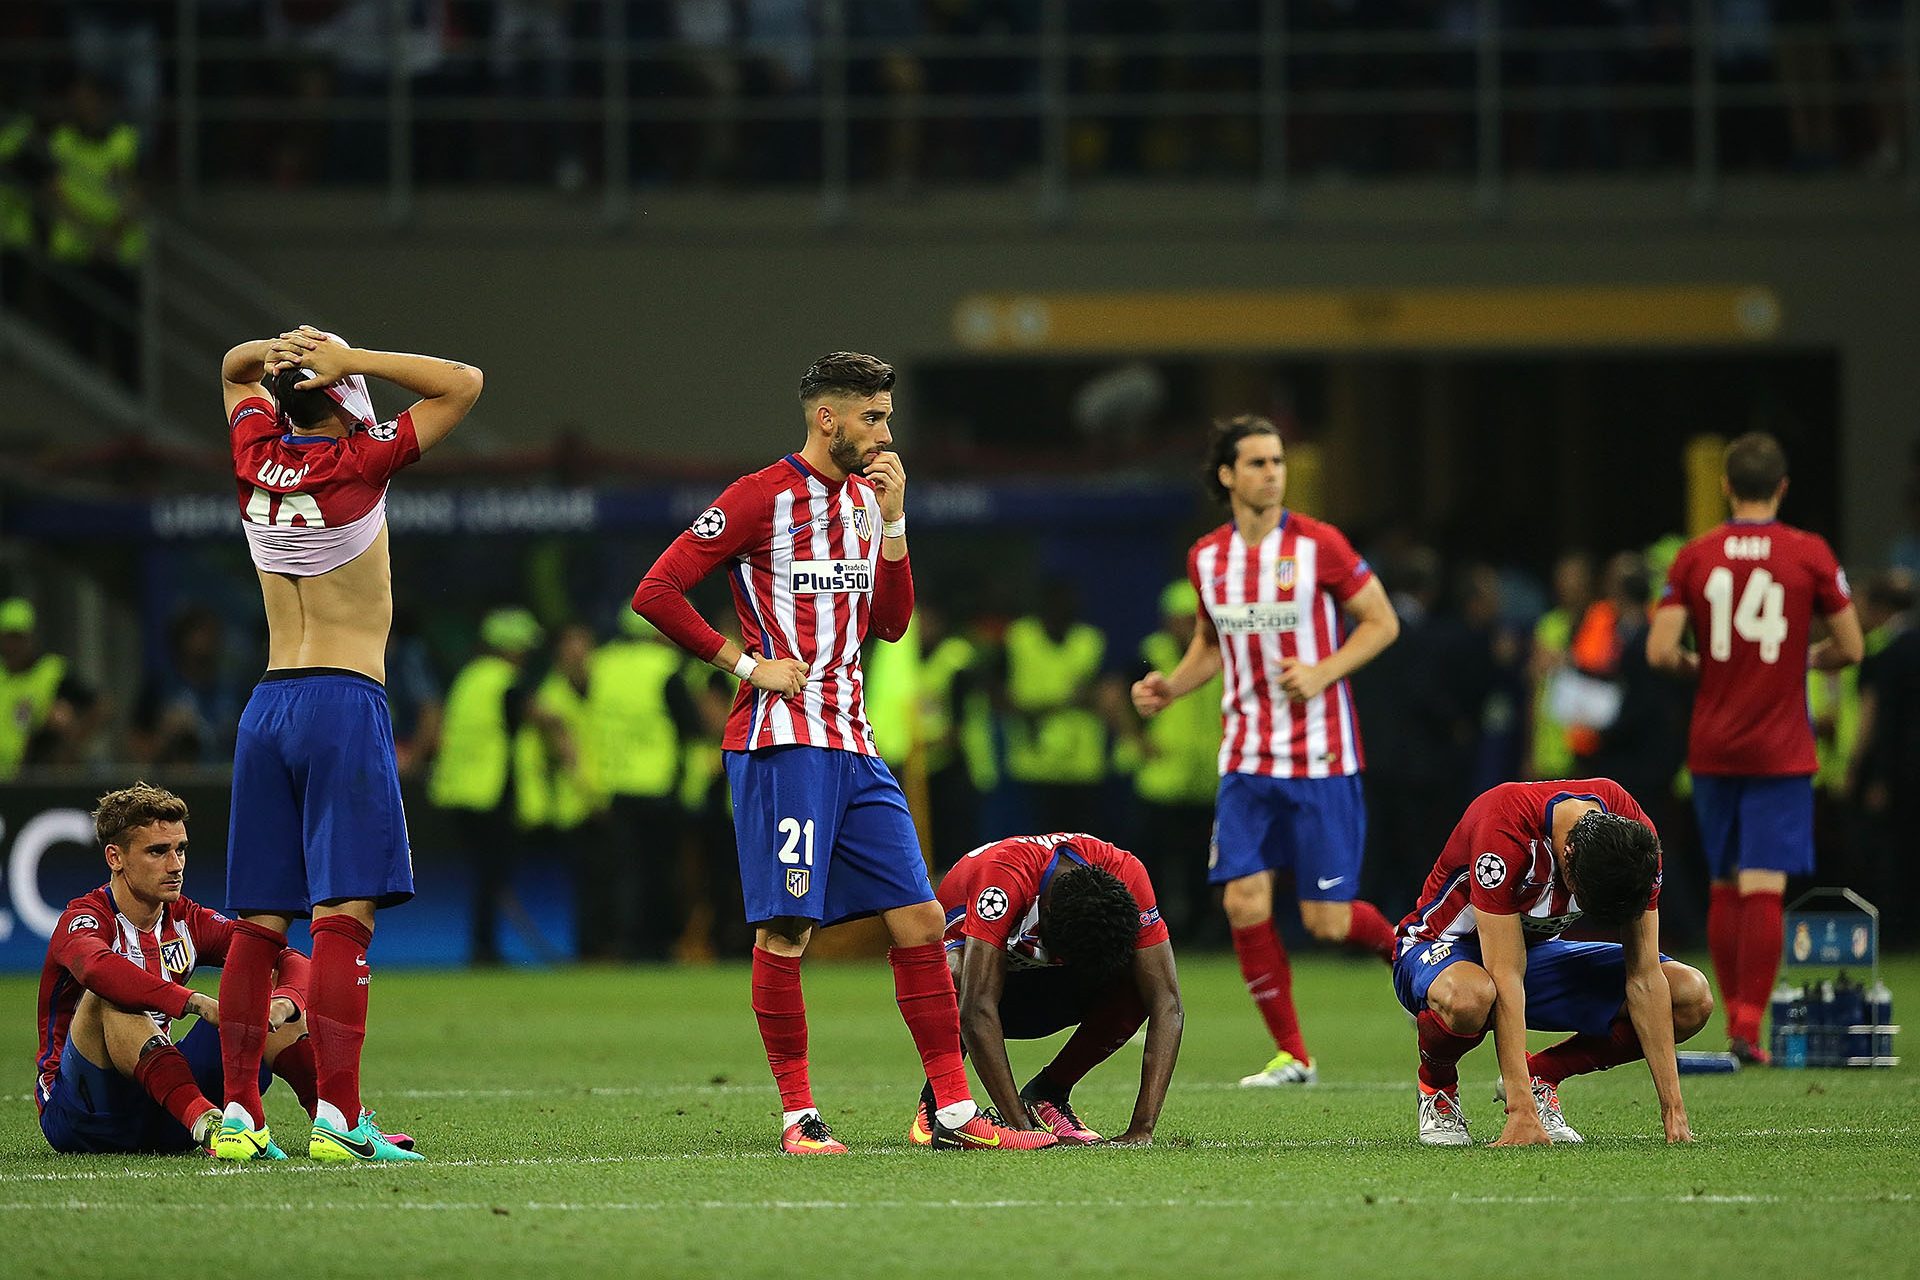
{"x":317,"y":825}
{"x":1050,"y":932}
{"x":1751,"y":589}
{"x":816,"y":553}
{"x":1272,"y":583}
{"x":1482,"y":952}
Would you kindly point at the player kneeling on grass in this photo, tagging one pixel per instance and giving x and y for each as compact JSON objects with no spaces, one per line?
{"x":1050,"y":932}
{"x":1483,"y":952}
{"x":110,"y":1076}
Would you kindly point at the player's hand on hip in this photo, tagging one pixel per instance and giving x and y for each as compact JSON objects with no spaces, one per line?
{"x":1523,"y":1129}
{"x":784,"y":676}
{"x":1151,"y":694}
{"x":1301,"y":680}
{"x":205,"y":1005}
{"x":889,"y":480}
{"x":1678,"y":1130}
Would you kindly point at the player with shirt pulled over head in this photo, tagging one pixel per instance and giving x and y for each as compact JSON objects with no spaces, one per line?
{"x":1273,"y":584}
{"x":1482,"y":952}
{"x":1050,"y":932}
{"x":1751,"y":590}
{"x":815,"y":549}
{"x":317,"y":825}
{"x":110,"y":1075}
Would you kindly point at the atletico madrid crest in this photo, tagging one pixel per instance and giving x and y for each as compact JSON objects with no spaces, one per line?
{"x":1284,"y":573}
{"x":862,"y":524}
{"x":797,"y":881}
{"x":176,"y":956}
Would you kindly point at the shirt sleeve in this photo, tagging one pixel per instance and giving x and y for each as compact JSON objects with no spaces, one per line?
{"x":1341,"y":569}
{"x":1496,"y":865}
{"x":718,"y":534}
{"x":80,"y":946}
{"x":254,"y":418}
{"x":379,"y":452}
{"x":999,"y":904}
{"x":1153,"y":930}
{"x":892,"y":599}
{"x":1675,"y":591}
{"x":1202,"y":619}
{"x":1831,"y":591}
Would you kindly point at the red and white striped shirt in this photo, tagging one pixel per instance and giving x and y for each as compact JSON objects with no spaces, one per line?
{"x":1280,"y":599}
{"x":803,"y":558}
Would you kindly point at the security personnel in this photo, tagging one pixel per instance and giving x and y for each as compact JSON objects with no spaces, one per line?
{"x":96,"y":228}
{"x":639,"y":714}
{"x":1056,"y":735}
{"x":956,"y":724}
{"x":46,"y":715}
{"x":22,"y":160}
{"x":1178,"y":772}
{"x":485,"y":707}
{"x":556,"y":775}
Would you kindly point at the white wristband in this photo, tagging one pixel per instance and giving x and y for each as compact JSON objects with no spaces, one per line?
{"x":744,"y":667}
{"x":894,"y":528}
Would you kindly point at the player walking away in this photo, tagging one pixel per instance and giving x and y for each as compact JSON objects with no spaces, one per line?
{"x":110,"y":1076}
{"x":317,"y":825}
{"x":1272,"y":583}
{"x":1482,"y":952}
{"x":1751,"y":590}
{"x":816,"y":553}
{"x":1050,"y":932}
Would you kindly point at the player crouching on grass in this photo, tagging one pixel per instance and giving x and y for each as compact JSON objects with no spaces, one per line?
{"x":1483,"y":952}
{"x":1050,"y":932}
{"x":110,"y":1076}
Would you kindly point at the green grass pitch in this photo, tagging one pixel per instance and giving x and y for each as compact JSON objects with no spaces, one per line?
{"x":603,"y":1122}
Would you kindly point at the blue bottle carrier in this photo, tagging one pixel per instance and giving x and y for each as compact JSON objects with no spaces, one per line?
{"x":1832,"y":1020}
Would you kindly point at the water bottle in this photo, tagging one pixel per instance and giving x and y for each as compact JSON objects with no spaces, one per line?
{"x":1793,"y":1047}
{"x":1822,"y":1029}
{"x":1852,"y":1012}
{"x":1778,"y":1007}
{"x":1880,"y":1014}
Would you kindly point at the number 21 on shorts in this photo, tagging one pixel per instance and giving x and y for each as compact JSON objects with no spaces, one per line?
{"x":797,"y":854}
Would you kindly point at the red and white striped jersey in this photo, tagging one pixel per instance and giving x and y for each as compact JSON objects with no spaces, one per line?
{"x":1278,"y":600}
{"x":803,"y":559}
{"x":1500,"y":859}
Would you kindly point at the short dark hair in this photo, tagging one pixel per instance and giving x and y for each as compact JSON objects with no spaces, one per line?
{"x":845,"y":373}
{"x":1755,"y":466}
{"x":1223,"y":446}
{"x":310,"y":408}
{"x":130,"y":808}
{"x":1613,"y":862}
{"x":1091,"y":921}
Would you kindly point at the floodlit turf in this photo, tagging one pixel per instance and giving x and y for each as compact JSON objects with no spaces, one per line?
{"x":589,"y":1122}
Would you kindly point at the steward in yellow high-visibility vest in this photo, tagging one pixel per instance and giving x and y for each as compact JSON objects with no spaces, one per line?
{"x":956,"y":726}
{"x":46,"y":715}
{"x":485,"y":706}
{"x":1056,"y":734}
{"x":640,"y":715}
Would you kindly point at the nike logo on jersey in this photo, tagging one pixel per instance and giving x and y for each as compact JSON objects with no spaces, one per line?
{"x":1324,"y":883}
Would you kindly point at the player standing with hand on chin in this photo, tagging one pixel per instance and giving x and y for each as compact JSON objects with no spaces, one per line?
{"x":317,"y":825}
{"x":816,"y":553}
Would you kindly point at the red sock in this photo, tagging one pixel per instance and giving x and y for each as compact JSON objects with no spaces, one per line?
{"x":924,"y":989}
{"x":1369,"y":930}
{"x":1760,"y":932}
{"x":1441,"y":1049}
{"x":296,"y":1065}
{"x":1577,"y":1055}
{"x":246,"y":982}
{"x":337,"y":1009}
{"x":1110,"y":1025}
{"x":1723,"y":944}
{"x":782,"y":1013}
{"x":1263,"y":963}
{"x":168,"y":1079}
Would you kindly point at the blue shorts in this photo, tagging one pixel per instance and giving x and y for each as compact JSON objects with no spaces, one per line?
{"x":316,"y":796}
{"x":1314,"y":827}
{"x":1571,"y":986}
{"x":824,"y":835}
{"x":96,"y":1110}
{"x":1755,"y":824}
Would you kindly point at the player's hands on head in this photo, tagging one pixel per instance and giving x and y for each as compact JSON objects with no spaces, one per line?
{"x":1523,"y":1128}
{"x":784,"y":676}
{"x":1151,"y":694}
{"x":308,"y":348}
{"x":280,"y":1013}
{"x":889,"y":484}
{"x":205,"y":1006}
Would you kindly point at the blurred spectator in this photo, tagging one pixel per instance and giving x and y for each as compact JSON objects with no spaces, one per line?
{"x":1885,"y":776}
{"x":956,"y":726}
{"x":486,"y":706}
{"x":118,"y":42}
{"x":716,"y":917}
{"x":1643,"y":744}
{"x":1492,"y":664}
{"x":1550,"y":752}
{"x":24,"y":170}
{"x":1586,"y":695}
{"x":96,"y":233}
{"x":413,"y":695}
{"x":190,"y":712}
{"x":559,"y":801}
{"x":1056,"y":732}
{"x":47,"y":715}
